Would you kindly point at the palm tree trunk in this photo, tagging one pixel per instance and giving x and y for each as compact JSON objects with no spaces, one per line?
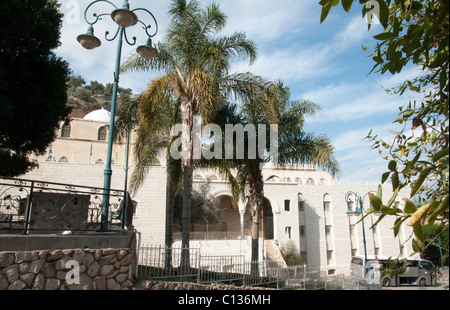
{"x":170,"y":200}
{"x":255,"y":198}
{"x":187,"y":115}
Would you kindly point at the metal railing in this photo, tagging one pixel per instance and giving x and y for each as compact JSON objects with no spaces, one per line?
{"x":166,"y":264}
{"x":31,"y":206}
{"x":209,"y":235}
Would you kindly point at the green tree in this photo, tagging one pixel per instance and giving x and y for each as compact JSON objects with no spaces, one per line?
{"x":415,"y":35}
{"x":270,"y":106}
{"x":33,"y":93}
{"x":75,"y":82}
{"x":97,"y":87}
{"x":153,"y":121}
{"x":195,"y":64}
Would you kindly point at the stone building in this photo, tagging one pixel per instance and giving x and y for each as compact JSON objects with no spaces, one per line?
{"x":304,"y":209}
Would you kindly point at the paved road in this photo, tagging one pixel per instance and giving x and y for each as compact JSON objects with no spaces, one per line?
{"x":439,"y":286}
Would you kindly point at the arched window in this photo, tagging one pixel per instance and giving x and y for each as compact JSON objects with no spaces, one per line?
{"x":287,"y":205}
{"x":213,"y":177}
{"x":63,"y":160}
{"x":99,"y":162}
{"x":65,"y":131}
{"x":102,"y":134}
{"x":198,"y":177}
{"x":326,"y":202}
{"x":323,"y":181}
{"x":310,"y":181}
{"x":287,"y":231}
{"x":298,"y":180}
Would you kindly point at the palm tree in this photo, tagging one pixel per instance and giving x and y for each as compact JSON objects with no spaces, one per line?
{"x":153,"y":138}
{"x":272,"y":106}
{"x":195,"y":65}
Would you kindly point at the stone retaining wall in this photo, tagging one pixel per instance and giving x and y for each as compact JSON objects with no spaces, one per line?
{"x":99,"y":269}
{"x":160,"y":285}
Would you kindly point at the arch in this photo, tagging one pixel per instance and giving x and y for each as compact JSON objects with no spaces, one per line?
{"x":273,"y":178}
{"x":198,"y":177}
{"x":326,"y":202}
{"x":65,"y":130}
{"x":298,"y":180}
{"x":99,"y":162}
{"x":229,"y":225}
{"x":310,"y":181}
{"x":213,"y":177}
{"x":273,"y":203}
{"x":267,"y":225}
{"x":63,"y":159}
{"x":101,"y":136}
{"x":323,"y":181}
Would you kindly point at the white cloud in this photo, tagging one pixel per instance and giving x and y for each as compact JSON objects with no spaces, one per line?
{"x":348,"y":101}
{"x":268,"y":21}
{"x":289,"y":64}
{"x":358,"y":161}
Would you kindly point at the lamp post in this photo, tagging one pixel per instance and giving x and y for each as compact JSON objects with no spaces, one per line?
{"x":124,"y":18}
{"x":359,"y":210}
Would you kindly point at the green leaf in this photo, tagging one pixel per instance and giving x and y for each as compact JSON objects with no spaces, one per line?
{"x":395,"y":181}
{"x":385,"y":176}
{"x":440,"y":154}
{"x":416,"y":247}
{"x":410,"y":207}
{"x":419,"y":234}
{"x":347,"y":5}
{"x":325,"y":10}
{"x":388,"y":211}
{"x":392,"y":199}
{"x":380,"y":192}
{"x":398,"y":225}
{"x":423,"y":175}
{"x":440,"y":208}
{"x":392,"y":165}
{"x":384,"y":36}
{"x":378,"y":220}
{"x":375,"y":202}
{"x":384,"y":13}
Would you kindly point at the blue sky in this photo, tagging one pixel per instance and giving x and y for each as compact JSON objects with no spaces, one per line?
{"x":323,"y":63}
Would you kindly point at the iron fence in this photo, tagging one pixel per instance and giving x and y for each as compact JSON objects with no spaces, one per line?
{"x":31,"y":206}
{"x":162,"y":263}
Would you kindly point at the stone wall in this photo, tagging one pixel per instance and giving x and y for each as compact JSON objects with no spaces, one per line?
{"x":99,"y":269}
{"x":174,"y":286}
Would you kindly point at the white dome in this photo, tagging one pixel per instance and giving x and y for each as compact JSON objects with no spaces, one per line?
{"x":100,"y":115}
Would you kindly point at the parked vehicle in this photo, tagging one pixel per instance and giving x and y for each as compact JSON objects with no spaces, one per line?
{"x":419,"y":272}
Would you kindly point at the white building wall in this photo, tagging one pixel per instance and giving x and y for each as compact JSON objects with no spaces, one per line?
{"x":290,"y":182}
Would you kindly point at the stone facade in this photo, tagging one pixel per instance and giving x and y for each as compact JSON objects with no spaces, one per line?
{"x":99,"y":269}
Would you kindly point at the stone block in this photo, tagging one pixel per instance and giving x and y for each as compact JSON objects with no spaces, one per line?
{"x":52,"y":284}
{"x":106,"y":270}
{"x":17,"y":285}
{"x":26,"y":256}
{"x":6,"y":259}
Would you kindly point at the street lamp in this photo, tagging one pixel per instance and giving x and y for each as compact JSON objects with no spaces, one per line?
{"x":359,"y":210}
{"x":124,"y":18}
